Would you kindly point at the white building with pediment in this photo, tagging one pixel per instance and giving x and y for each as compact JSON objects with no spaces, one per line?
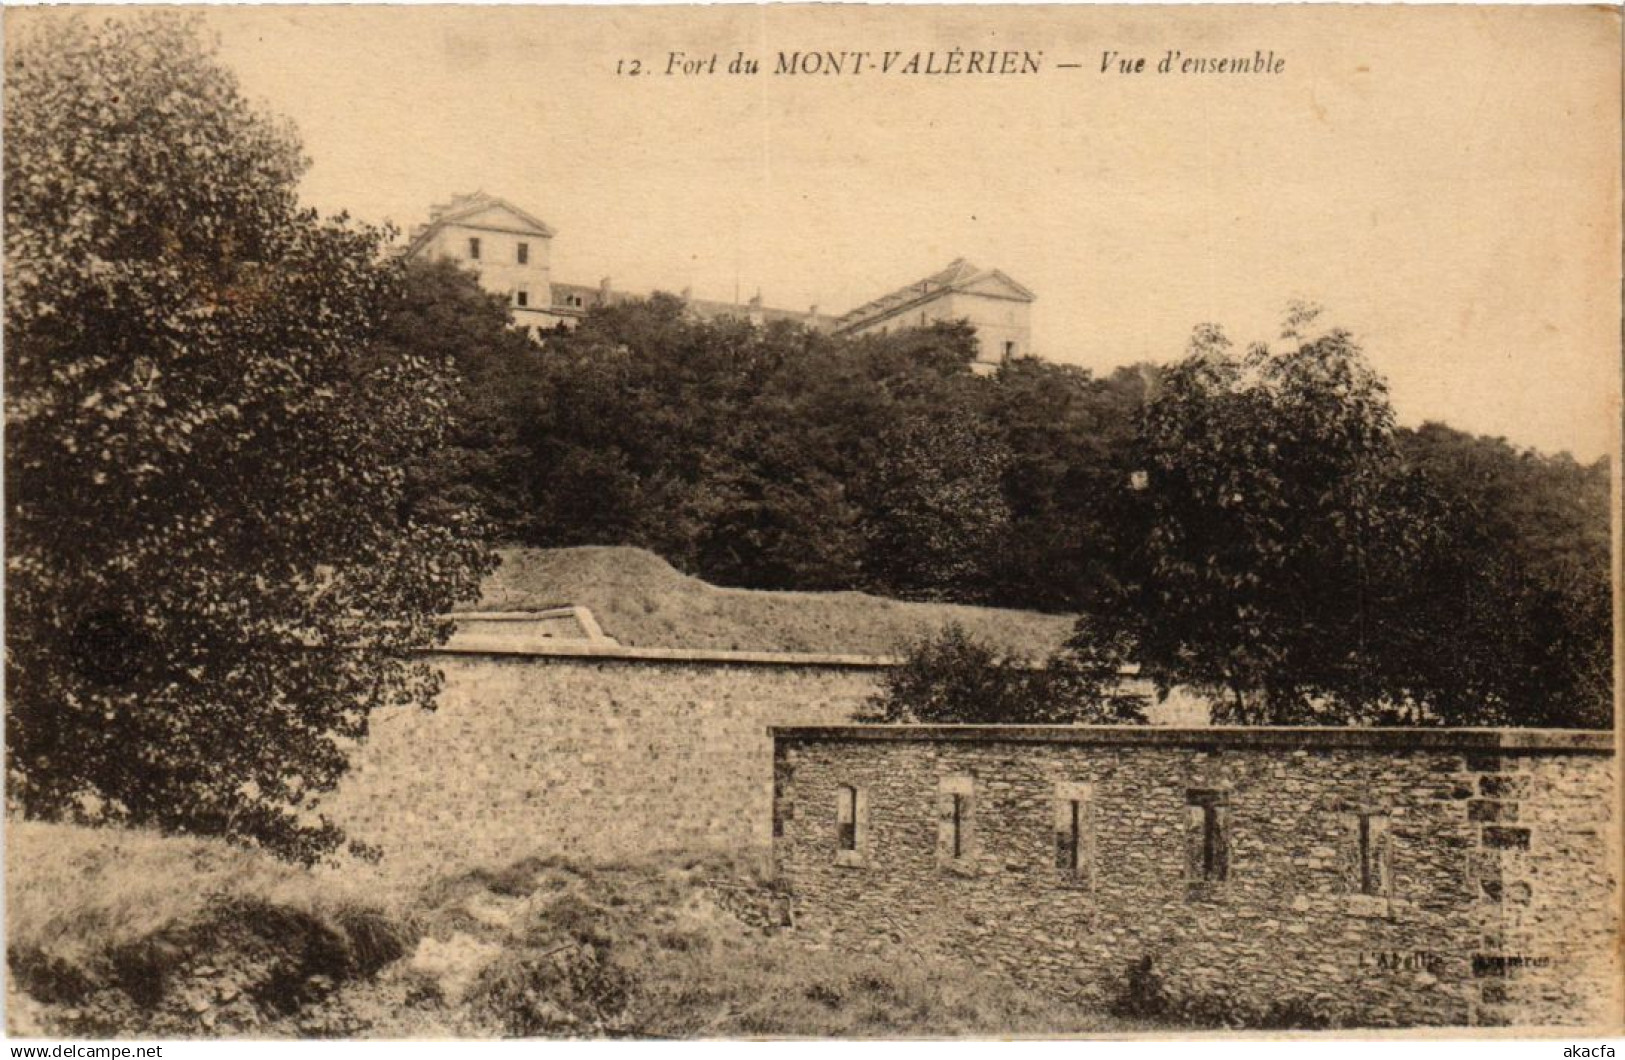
{"x":508,"y":248}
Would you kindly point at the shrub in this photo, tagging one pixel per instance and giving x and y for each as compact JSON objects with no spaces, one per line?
{"x":119,"y":921}
{"x":952,"y":677}
{"x":1142,"y":996}
{"x":573,"y":991}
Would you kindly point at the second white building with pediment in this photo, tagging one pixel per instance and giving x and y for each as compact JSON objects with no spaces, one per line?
{"x":994,"y":304}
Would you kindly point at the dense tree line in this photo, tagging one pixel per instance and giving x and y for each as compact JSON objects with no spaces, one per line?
{"x":1252,"y":523}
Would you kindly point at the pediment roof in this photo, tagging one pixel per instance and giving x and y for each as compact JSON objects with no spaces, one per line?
{"x":466,"y":208}
{"x":995,"y":281}
{"x":959,"y":275}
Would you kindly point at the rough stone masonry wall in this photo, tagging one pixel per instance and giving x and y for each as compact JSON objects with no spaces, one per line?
{"x":607,"y":753}
{"x":1499,"y":863}
{"x":1544,"y":862}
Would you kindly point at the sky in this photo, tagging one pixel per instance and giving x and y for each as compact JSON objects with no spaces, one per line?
{"x":1445,"y":181}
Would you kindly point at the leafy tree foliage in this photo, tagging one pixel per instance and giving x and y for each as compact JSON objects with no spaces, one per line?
{"x":214,"y":571}
{"x":783,"y":458}
{"x":1265,"y":524}
{"x":937,"y":509}
{"x":440,"y":315}
{"x":952,"y":678}
{"x":1070,"y":444}
{"x":1299,"y":560}
{"x":633,"y":421}
{"x":1508,"y":608}
{"x":775,"y":458}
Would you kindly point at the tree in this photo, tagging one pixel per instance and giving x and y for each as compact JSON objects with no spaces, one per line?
{"x":788,"y":517}
{"x":441,"y":314}
{"x":1070,"y":437}
{"x":629,"y":431}
{"x":934,"y":507}
{"x":952,"y":678}
{"x":214,"y":573}
{"x":1507,"y":613}
{"x":1271,"y":538}
{"x":774,"y":458}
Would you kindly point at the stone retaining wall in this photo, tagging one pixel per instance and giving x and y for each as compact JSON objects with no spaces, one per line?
{"x":1373,"y":877}
{"x":597,"y":751}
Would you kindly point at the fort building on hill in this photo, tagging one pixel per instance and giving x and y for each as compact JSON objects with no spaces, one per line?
{"x":510,"y":251}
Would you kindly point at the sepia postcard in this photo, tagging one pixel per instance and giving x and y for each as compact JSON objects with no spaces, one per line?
{"x":812,"y":522}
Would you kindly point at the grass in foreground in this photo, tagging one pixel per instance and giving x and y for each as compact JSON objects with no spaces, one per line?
{"x":130,"y":934}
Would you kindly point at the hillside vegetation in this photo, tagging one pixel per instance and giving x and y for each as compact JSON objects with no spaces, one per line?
{"x":129,"y":934}
{"x":641,"y":600}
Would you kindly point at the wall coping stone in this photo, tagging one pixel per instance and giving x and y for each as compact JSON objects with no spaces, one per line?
{"x":512,"y":616}
{"x":601,"y":646}
{"x":620,"y":653}
{"x":608,"y":650}
{"x":1580,"y":741}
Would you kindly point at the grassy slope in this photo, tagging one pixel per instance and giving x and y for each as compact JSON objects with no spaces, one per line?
{"x":137,"y":932}
{"x":71,"y":889}
{"x":643,"y":601}
{"x":130,"y":934}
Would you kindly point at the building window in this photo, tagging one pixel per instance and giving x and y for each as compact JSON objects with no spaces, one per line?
{"x":851,"y":824}
{"x":1009,"y":350}
{"x":1207,"y":838}
{"x":1067,"y":834}
{"x":1367,"y":857}
{"x":524,"y":253}
{"x":521,"y":298}
{"x":474,"y":248}
{"x":956,"y":828}
{"x":1074,"y":831}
